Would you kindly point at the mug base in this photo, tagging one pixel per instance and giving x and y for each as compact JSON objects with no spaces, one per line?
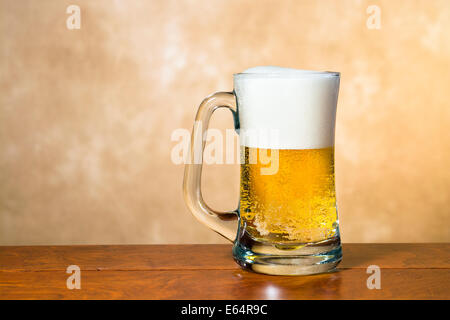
{"x":305,"y":259}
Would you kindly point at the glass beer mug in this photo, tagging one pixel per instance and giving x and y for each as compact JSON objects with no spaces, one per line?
{"x":287,"y":221}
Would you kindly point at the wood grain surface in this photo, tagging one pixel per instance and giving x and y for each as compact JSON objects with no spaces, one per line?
{"x":408,"y":271}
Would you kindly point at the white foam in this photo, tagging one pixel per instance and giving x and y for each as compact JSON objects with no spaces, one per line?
{"x":284,"y":108}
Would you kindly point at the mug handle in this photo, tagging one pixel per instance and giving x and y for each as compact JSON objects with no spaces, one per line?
{"x":224,"y":223}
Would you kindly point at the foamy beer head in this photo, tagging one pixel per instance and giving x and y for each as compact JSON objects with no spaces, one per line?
{"x":283,"y":108}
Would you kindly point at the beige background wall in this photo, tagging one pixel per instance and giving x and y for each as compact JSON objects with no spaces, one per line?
{"x":86,"y":116}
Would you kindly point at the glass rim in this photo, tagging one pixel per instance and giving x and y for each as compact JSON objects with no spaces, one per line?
{"x":301,"y":74}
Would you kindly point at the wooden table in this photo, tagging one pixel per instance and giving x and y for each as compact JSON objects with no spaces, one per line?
{"x":408,"y":271}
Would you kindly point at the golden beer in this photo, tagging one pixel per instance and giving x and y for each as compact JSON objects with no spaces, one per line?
{"x":296,"y":204}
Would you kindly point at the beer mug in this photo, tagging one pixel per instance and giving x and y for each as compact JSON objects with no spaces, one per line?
{"x":286,"y":222}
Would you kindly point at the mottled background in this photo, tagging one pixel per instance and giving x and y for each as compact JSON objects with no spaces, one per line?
{"x":86,"y":116}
